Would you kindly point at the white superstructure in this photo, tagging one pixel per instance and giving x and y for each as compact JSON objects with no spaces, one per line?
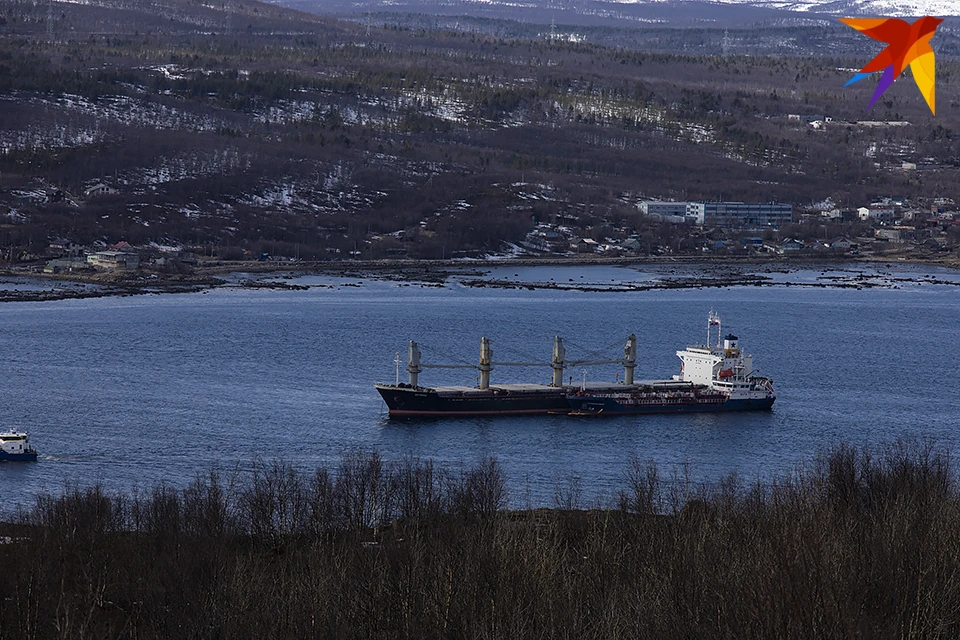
{"x":723,"y":366}
{"x":15,"y":446}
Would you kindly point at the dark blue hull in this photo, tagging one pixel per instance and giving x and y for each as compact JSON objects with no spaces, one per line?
{"x":586,"y":405}
{"x":408,"y":402}
{"x":27,"y":456}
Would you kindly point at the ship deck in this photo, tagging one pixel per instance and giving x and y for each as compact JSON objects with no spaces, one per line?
{"x":508,"y":388}
{"x":532,"y":388}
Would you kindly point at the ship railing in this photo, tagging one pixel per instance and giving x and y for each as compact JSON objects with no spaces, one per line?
{"x":448,"y":366}
{"x":570,"y":363}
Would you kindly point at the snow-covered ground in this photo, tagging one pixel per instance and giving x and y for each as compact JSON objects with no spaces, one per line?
{"x":885,"y":8}
{"x":74,"y":121}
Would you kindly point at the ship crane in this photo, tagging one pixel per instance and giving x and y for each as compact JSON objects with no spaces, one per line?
{"x":558,"y":363}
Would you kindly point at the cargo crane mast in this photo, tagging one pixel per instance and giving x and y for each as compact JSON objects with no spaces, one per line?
{"x":559,"y":353}
{"x":413,"y":363}
{"x":629,"y":359}
{"x":558,"y":362}
{"x":486,"y":363}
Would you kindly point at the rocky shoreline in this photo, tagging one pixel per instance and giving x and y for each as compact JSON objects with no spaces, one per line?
{"x":273,"y":275}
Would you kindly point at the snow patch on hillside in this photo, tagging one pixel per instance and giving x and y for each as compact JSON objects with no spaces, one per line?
{"x":887,"y":8}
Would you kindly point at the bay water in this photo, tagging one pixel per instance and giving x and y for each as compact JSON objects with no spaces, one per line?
{"x":133,"y":391}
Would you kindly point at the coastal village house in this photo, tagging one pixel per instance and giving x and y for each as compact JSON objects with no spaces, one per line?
{"x":841,"y":243}
{"x":877,"y":214}
{"x":114,"y":260}
{"x":899,"y":235}
{"x":61,"y":247}
{"x":64,"y":265}
{"x":545,"y":239}
{"x":585,"y":245}
{"x":790,"y":245}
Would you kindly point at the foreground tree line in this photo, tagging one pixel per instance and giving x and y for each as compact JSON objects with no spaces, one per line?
{"x":858,"y":543}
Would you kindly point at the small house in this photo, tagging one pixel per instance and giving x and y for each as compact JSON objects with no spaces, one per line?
{"x":841,"y":243}
{"x":585,"y":245}
{"x":790,"y":245}
{"x":98,"y":189}
{"x":114,"y":260}
{"x":876,"y":214}
{"x":899,"y":235}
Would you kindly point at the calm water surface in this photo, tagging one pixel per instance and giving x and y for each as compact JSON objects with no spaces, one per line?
{"x":131,"y":391}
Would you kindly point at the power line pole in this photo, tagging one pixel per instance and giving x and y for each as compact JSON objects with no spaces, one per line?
{"x":50,"y":21}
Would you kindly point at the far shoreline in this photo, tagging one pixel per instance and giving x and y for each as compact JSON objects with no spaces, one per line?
{"x":213,"y":274}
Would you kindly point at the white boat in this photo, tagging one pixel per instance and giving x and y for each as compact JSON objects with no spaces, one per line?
{"x":15,"y":446}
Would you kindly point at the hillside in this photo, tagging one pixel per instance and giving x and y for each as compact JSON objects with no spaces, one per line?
{"x":671,"y":11}
{"x":248,"y":127}
{"x":645,"y":13}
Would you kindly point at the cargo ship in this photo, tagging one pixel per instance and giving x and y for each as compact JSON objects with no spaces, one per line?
{"x":712,"y":378}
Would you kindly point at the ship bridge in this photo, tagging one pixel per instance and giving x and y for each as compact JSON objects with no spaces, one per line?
{"x":710,"y":365}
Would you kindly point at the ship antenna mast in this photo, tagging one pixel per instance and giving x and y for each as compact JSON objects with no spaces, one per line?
{"x":396,"y":361}
{"x":713,"y":320}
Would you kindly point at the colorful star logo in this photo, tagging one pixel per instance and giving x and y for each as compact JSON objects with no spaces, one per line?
{"x":908,"y":44}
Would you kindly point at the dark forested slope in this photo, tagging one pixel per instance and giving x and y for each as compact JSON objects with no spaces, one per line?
{"x":245,"y":125}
